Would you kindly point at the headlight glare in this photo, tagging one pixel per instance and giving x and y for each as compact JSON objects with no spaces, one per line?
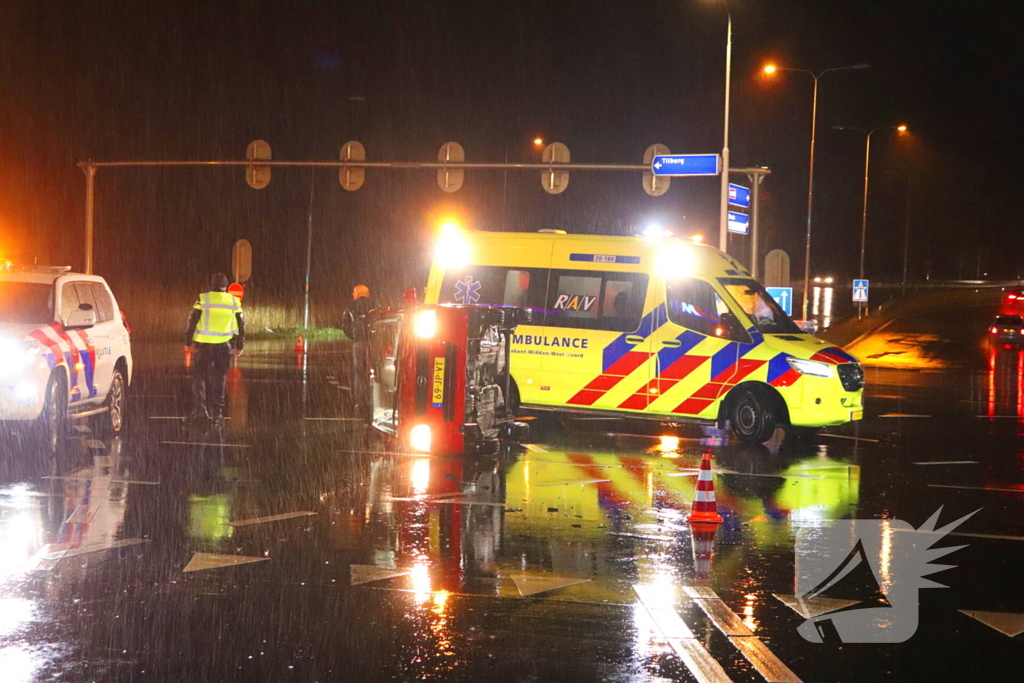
{"x":811,"y":367}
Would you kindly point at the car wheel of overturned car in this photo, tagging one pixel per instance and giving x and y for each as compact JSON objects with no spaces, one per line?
{"x":753,"y":416}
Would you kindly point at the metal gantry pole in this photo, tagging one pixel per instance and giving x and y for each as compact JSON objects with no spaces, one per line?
{"x":309,"y":251}
{"x":90,"y":168}
{"x":723,"y":227}
{"x":755,"y":181}
{"x":90,"y":213}
{"x":810,"y":201}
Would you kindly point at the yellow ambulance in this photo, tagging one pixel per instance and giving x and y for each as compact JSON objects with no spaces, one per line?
{"x":663,"y":328}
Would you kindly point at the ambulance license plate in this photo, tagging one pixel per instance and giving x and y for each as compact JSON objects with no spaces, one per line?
{"x":437,"y":390}
{"x":857,"y":415}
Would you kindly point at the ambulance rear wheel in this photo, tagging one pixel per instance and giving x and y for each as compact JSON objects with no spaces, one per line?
{"x":753,"y":416}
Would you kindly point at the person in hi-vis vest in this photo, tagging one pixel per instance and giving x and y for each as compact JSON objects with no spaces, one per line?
{"x":216,"y":332}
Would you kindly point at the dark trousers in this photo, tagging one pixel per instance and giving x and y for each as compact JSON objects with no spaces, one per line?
{"x":210,"y":365}
{"x":359,"y":372}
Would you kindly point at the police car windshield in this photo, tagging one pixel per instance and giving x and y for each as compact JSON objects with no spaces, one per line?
{"x":26,"y":303}
{"x":767,"y":316}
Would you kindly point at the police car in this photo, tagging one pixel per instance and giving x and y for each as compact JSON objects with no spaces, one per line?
{"x":65,"y":351}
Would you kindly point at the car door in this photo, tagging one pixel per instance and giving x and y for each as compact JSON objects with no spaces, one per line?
{"x":105,"y":337}
{"x":596,"y":345}
{"x":70,"y":343}
{"x":697,"y":350}
{"x":94,"y":378}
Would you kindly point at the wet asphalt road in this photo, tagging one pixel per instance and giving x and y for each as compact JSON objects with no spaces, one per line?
{"x":567,"y":560}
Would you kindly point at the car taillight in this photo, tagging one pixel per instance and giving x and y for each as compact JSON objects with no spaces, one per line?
{"x":994,"y":330}
{"x":1011,"y":297}
{"x":124,"y":321}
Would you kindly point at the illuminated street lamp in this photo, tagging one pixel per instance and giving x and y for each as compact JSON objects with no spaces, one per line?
{"x":538,"y":142}
{"x":867,"y":163}
{"x":771,"y":69}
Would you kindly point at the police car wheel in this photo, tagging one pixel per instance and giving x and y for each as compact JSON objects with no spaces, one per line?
{"x":753,"y":417}
{"x":116,"y":400}
{"x":51,"y":422}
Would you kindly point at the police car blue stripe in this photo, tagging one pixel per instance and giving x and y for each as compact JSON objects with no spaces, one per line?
{"x":87,"y":366}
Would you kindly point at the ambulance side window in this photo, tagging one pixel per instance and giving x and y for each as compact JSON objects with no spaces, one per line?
{"x":596,"y":300}
{"x":691,"y":304}
{"x":517,"y":287}
{"x":495,"y":285}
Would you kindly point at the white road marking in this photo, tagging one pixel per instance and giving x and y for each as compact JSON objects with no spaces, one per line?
{"x":771,"y":668}
{"x":271,"y":518}
{"x":947,"y":462}
{"x":1007,"y":623}
{"x":171,"y":417}
{"x":974,"y":488}
{"x":641,"y":536}
{"x":449,"y":501}
{"x":998,"y":417}
{"x":335,"y":419}
{"x":535,"y":448}
{"x":949,"y":485}
{"x":200,"y":443}
{"x":851,"y":438}
{"x":699,"y":661}
{"x":902,"y":415}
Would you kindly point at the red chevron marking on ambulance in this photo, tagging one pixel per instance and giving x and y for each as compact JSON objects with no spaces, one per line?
{"x":827,"y":356}
{"x":666,"y":379}
{"x":710,"y":392}
{"x":600,"y":385}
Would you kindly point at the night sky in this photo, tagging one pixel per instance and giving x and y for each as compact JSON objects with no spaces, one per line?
{"x":199,"y":80}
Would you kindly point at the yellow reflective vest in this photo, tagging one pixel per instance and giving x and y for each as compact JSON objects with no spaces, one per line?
{"x":217,"y":323}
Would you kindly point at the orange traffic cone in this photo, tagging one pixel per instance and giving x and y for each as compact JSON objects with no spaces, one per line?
{"x":300,"y":345}
{"x":704,"y":508}
{"x":703,"y":537}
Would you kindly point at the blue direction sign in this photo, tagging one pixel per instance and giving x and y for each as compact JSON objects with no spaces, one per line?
{"x":783,"y":296}
{"x":685,"y":164}
{"x":860,"y":291}
{"x":739,"y":223}
{"x":739,"y":196}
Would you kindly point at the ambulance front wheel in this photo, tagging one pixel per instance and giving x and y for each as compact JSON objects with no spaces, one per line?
{"x":753,"y":416}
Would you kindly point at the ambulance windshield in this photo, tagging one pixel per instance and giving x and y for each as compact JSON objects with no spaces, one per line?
{"x":767,"y":316}
{"x":26,"y":303}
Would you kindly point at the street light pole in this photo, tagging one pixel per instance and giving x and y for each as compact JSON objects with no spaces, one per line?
{"x":771,"y":69}
{"x":90,"y":213}
{"x":723,"y":226}
{"x":810,"y":199}
{"x":864,"y":210}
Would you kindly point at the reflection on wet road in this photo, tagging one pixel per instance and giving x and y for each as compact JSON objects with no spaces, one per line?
{"x":295,"y":545}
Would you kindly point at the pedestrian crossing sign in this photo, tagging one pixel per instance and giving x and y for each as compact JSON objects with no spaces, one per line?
{"x":860,"y":291}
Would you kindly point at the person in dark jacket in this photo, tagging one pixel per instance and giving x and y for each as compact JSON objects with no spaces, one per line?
{"x":215,"y":334}
{"x":355,"y":323}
